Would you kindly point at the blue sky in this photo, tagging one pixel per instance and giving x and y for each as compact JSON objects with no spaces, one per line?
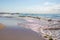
{"x":30,"y":6}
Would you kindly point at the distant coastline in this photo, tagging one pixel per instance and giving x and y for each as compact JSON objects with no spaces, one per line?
{"x":37,"y":16}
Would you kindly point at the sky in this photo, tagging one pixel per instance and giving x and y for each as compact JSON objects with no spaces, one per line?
{"x":30,"y":6}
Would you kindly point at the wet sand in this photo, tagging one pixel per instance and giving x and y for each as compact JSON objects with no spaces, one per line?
{"x":30,"y":30}
{"x":19,"y":33}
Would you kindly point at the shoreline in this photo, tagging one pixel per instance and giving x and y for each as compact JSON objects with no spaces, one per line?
{"x":35,"y":24}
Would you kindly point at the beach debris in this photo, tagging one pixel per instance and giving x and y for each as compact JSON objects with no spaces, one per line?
{"x":58,"y":20}
{"x":49,"y":20}
{"x":50,"y":38}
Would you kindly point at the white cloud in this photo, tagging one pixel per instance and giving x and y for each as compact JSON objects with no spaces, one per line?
{"x":46,"y":8}
{"x":49,"y":3}
{"x":42,"y":9}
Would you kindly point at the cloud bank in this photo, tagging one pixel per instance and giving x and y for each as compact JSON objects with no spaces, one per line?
{"x":45,"y":7}
{"x":54,"y":8}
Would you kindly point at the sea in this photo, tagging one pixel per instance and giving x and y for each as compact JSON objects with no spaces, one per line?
{"x":53,"y":16}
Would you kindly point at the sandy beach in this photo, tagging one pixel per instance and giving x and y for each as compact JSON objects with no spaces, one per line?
{"x":15,"y":28}
{"x":16,"y":32}
{"x":19,"y":33}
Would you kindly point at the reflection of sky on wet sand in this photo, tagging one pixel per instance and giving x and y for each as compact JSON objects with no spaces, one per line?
{"x":10,"y":21}
{"x":30,"y":23}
